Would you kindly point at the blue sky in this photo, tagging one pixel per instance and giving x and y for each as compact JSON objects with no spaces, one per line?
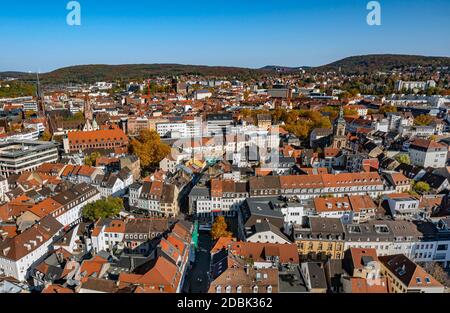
{"x":252,"y":33}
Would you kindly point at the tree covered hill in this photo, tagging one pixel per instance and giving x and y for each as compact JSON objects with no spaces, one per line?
{"x":382,"y":62}
{"x":351,"y":65}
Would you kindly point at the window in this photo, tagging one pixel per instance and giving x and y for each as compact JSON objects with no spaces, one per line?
{"x":239,"y":289}
{"x":228,"y":289}
{"x":269,"y":289}
{"x":255,"y":289}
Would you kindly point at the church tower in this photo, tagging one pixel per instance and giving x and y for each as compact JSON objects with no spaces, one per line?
{"x":339,"y":138}
{"x":90,"y":123}
{"x":39,"y":97}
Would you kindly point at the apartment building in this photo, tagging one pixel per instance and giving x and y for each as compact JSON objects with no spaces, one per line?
{"x":157,"y":198}
{"x":319,"y":238}
{"x":18,"y":255}
{"x":135,"y":235}
{"x":72,"y":202}
{"x":352,"y":209}
{"x":405,"y":276}
{"x":428,"y":153}
{"x":311,"y":186}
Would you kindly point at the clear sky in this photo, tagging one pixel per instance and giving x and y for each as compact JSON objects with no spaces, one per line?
{"x":34,"y":35}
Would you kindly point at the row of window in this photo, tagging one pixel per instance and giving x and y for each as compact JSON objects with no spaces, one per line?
{"x":255,"y":289}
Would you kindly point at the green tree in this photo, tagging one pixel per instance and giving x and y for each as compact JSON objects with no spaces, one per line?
{"x":219,"y":228}
{"x":403,"y":158}
{"x":421,"y":187}
{"x":91,"y":159}
{"x":15,"y":89}
{"x":149,"y":148}
{"x":102,"y":208}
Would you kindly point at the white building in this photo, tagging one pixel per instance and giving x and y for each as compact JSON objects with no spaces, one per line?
{"x":18,"y":156}
{"x":202,"y":94}
{"x":18,"y":255}
{"x":73,"y":201}
{"x":402,"y":204}
{"x":428,"y":153}
{"x":411,"y":85}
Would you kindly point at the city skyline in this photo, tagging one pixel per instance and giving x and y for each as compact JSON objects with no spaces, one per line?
{"x":238,"y":33}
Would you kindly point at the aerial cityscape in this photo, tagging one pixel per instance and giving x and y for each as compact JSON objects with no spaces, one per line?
{"x":327,"y":173}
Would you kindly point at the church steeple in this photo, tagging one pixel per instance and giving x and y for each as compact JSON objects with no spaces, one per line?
{"x":88,"y":112}
{"x":39,"y":97}
{"x":339,"y":139}
{"x":341,"y":113}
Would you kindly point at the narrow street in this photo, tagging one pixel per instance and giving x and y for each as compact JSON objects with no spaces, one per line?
{"x":197,"y":279}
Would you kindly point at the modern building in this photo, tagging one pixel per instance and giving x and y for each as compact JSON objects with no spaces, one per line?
{"x":18,"y":156}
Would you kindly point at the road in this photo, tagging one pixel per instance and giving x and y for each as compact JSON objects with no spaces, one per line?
{"x":197,"y":279}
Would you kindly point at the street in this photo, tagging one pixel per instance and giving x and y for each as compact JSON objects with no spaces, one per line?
{"x":197,"y":279}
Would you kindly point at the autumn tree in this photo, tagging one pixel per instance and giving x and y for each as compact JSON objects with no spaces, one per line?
{"x":30,"y":113}
{"x":46,"y":136}
{"x":149,"y":148}
{"x":91,"y":159}
{"x":219,"y":228}
{"x":387,"y":109}
{"x":102,"y":208}
{"x":436,"y":270}
{"x":423,"y":120}
{"x":403,"y":158}
{"x":350,"y":112}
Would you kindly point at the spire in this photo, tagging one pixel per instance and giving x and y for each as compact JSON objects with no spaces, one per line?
{"x":341,"y":113}
{"x":39,"y":97}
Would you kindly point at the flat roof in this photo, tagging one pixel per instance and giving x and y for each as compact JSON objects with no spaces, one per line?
{"x":16,"y":148}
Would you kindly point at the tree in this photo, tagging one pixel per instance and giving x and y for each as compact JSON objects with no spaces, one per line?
{"x":219,"y":228}
{"x":15,"y":89}
{"x":423,"y":120}
{"x":403,"y":158}
{"x":29,"y":114}
{"x":102,"y":208}
{"x":387,"y":109}
{"x":421,"y":187}
{"x":91,"y":159}
{"x":350,"y":112}
{"x":149,"y":148}
{"x":436,"y":270}
{"x":46,"y":136}
{"x":75,"y":117}
{"x":433,"y":137}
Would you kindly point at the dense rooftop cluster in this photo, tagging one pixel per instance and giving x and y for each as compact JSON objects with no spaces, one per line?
{"x":292,"y":182}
